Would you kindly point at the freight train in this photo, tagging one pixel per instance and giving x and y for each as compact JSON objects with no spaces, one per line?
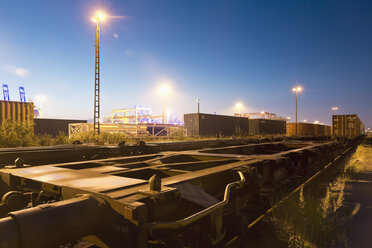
{"x":308,"y":129}
{"x":347,"y":126}
{"x":194,"y":198}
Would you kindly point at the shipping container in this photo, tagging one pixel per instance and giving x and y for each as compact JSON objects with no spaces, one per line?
{"x":20,"y":112}
{"x":347,"y":125}
{"x":266,"y":126}
{"x":53,"y":126}
{"x":328,"y":130}
{"x":208,"y":125}
{"x":308,"y":129}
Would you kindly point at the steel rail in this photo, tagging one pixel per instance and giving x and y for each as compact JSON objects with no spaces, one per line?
{"x":301,"y":186}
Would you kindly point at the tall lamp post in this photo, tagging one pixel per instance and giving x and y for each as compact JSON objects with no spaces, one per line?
{"x":164,"y":90}
{"x":99,"y":17}
{"x":296,"y":90}
{"x":334,"y":109}
{"x":198,"y":101}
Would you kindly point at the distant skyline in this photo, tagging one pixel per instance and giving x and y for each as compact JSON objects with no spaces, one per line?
{"x":222,"y":52}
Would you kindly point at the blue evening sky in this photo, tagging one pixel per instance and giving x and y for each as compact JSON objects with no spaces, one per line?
{"x":222,"y":52}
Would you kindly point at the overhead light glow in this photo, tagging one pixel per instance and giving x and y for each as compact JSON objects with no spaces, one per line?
{"x":164,"y":89}
{"x":100,"y":16}
{"x":239,"y":105}
{"x":297,"y":89}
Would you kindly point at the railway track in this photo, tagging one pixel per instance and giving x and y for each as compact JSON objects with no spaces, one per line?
{"x":185,"y":198}
{"x":81,"y":152}
{"x":253,"y":233}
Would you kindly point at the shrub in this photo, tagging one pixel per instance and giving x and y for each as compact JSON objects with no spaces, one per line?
{"x":13,"y":134}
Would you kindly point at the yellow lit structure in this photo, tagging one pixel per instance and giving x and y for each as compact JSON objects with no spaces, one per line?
{"x":132,"y":116}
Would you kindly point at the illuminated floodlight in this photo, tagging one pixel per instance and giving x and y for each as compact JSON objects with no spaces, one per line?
{"x":239,"y":105}
{"x":39,"y":100}
{"x":334,"y":108}
{"x":262,"y":112}
{"x":304,"y":120}
{"x":288,"y":118}
{"x":297,"y":89}
{"x":168,"y":112}
{"x":316,"y":122}
{"x":100,"y":16}
{"x":164,"y":89}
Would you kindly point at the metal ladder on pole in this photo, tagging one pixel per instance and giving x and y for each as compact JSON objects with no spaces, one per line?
{"x":97,"y":85}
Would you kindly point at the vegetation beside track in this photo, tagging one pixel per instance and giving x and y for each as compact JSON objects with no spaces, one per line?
{"x":315,"y":215}
{"x":14,"y":134}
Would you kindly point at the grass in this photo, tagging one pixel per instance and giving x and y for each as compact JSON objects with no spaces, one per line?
{"x":314,"y":216}
{"x":310,"y":220}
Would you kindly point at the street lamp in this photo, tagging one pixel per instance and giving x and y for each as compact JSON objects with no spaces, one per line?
{"x":297,"y":89}
{"x":99,"y":17}
{"x":39,"y":99}
{"x":198,"y":101}
{"x":164,"y":90}
{"x":334,"y":109}
{"x":239,"y":107}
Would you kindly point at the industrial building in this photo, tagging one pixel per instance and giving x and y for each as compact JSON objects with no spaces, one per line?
{"x":152,"y":130}
{"x":133,"y":116}
{"x":347,"y":125}
{"x":261,"y":115}
{"x":308,"y":129}
{"x":208,"y":125}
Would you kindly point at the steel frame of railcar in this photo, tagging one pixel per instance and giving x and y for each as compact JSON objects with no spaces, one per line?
{"x":156,"y":198}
